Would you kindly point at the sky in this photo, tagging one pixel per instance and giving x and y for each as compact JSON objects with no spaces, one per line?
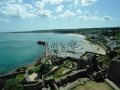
{"x":29,"y":15}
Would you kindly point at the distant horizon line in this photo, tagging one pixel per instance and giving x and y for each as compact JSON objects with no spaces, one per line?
{"x":60,"y":29}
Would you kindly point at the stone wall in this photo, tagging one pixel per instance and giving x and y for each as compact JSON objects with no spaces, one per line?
{"x":37,"y":86}
{"x":114,"y":71}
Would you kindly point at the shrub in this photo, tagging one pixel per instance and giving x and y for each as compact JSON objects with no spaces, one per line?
{"x":35,"y":69}
{"x":13,"y":84}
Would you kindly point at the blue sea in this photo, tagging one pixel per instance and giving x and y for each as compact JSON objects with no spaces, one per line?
{"x":19,"y":49}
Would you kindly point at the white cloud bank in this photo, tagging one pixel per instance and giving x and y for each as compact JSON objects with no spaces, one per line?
{"x":68,"y":13}
{"x":52,"y":1}
{"x":25,"y":10}
{"x":87,"y":2}
{"x":59,"y":9}
{"x":84,"y":2}
{"x":16,"y":8}
{"x":94,"y":18}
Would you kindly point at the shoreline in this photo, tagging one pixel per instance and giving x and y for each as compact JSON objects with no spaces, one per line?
{"x":99,"y":45}
{"x":19,"y":67}
{"x":96,"y":43}
{"x":30,"y":64}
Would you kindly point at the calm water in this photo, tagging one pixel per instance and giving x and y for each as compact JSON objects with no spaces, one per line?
{"x":21,"y":48}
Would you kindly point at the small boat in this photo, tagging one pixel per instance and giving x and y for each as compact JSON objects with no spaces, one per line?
{"x":41,"y":42}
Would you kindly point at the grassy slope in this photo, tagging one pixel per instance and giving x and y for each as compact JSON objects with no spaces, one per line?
{"x":118,"y":36}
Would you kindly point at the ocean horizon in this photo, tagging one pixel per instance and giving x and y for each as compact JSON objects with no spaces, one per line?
{"x":19,"y":49}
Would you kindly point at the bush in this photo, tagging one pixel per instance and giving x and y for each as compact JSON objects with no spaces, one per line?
{"x":35,"y":69}
{"x":21,"y":69}
{"x":30,"y":71}
{"x":13,"y":84}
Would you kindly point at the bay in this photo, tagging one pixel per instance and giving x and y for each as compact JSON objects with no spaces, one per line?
{"x":19,"y":49}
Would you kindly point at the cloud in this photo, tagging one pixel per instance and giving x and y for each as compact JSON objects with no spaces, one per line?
{"x":24,"y":11}
{"x":56,"y":1}
{"x":59,"y":9}
{"x":84,"y":2}
{"x":16,"y":8}
{"x":10,"y":1}
{"x":3,"y":20}
{"x":20,"y":1}
{"x":28,"y":6}
{"x":76,"y":2}
{"x":87,"y":2}
{"x":44,"y":13}
{"x":94,"y":18}
{"x":89,"y":16}
{"x":107,"y":18}
{"x":40,"y":5}
{"x":52,"y":1}
{"x":78,"y":11}
{"x":68,"y":13}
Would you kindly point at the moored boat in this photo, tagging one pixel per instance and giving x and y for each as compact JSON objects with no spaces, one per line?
{"x":41,"y":42}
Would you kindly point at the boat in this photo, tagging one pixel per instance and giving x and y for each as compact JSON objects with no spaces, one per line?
{"x":41,"y":42}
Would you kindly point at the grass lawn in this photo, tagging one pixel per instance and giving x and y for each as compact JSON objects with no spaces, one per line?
{"x":60,"y":72}
{"x":20,"y":77}
{"x":91,"y":85}
{"x":64,"y":69}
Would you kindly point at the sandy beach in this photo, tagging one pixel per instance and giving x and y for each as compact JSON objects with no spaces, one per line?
{"x":77,"y":48}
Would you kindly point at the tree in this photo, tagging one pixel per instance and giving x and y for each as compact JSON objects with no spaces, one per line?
{"x":112,"y":54}
{"x":13,"y":84}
